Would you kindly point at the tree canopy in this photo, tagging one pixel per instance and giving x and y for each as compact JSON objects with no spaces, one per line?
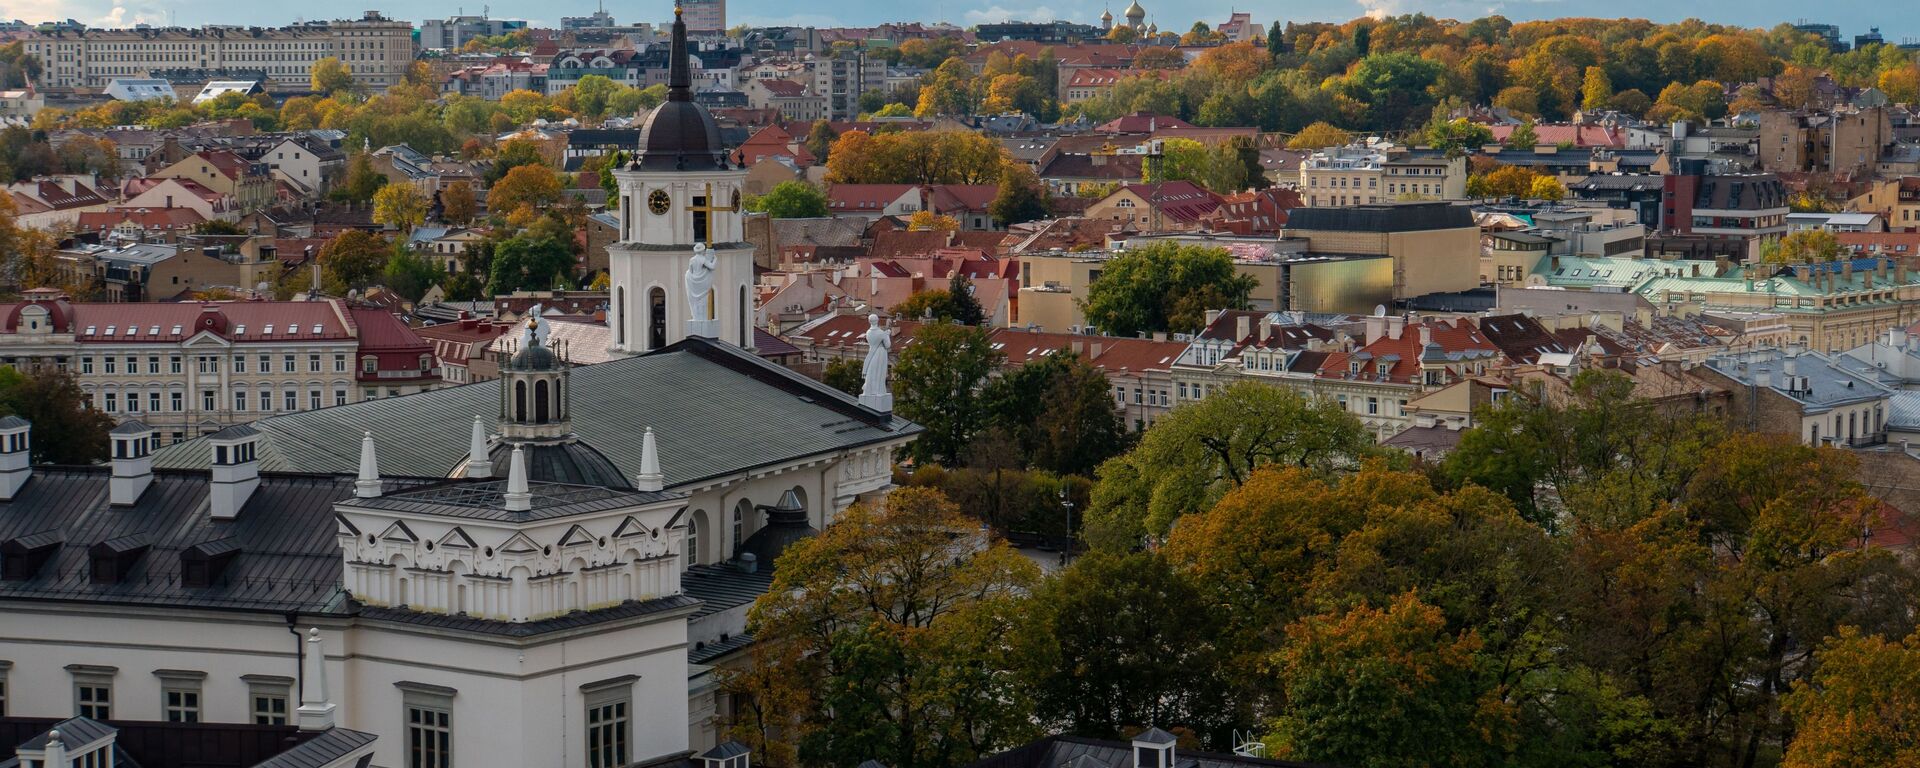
{"x":1164,"y":286}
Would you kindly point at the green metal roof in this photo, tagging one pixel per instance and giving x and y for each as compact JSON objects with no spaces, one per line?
{"x":715,"y":410}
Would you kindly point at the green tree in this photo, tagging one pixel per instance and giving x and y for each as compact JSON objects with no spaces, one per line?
{"x":820,"y":140}
{"x":528,"y":261}
{"x":1021,"y":198}
{"x":1523,"y":137}
{"x":792,"y":200}
{"x":1059,"y":413}
{"x":1396,"y":87}
{"x":844,"y":374}
{"x":1164,"y":286}
{"x":1194,"y":455}
{"x":937,"y":380}
{"x":1276,"y":41}
{"x":512,"y":154}
{"x":1457,"y":136}
{"x":1117,"y":641}
{"x":352,"y":260}
{"x":66,"y":428}
{"x":879,"y":639}
{"x":463,"y":286}
{"x":361,"y":181}
{"x":410,"y":274}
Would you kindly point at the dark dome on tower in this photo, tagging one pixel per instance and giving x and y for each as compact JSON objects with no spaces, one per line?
{"x":679,"y":135}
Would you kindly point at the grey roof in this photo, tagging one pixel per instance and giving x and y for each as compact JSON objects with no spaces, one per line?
{"x":1382,"y":217}
{"x":320,"y":751}
{"x":1155,"y":736}
{"x":288,"y":561}
{"x":130,"y":427}
{"x":486,"y":500}
{"x":74,"y":731}
{"x":1828,"y":384}
{"x":704,"y":653}
{"x":568,"y":461}
{"x":724,"y":750}
{"x":723,"y":587}
{"x":715,"y":410}
{"x":1903,"y":410}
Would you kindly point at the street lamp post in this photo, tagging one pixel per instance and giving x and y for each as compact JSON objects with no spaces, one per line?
{"x":1066,"y":544}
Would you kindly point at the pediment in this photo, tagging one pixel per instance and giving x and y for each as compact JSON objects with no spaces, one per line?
{"x":399,"y":532}
{"x":519,"y":545}
{"x":630,"y":528}
{"x":576,"y":536}
{"x":457,"y":539}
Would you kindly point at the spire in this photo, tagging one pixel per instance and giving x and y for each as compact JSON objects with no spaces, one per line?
{"x":316,"y":708}
{"x":518,"y":497}
{"x":368,"y":486}
{"x":650,"y":478}
{"x":478,"y":463}
{"x":679,"y":79}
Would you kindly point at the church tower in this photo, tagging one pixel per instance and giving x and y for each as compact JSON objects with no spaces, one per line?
{"x":681,"y":267}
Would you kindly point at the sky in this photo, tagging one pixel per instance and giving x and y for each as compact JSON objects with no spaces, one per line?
{"x":1853,"y":16}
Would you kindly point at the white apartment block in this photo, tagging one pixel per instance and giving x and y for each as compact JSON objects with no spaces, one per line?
{"x":377,"y":48}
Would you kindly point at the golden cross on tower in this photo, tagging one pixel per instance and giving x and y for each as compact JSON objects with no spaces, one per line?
{"x":711,"y":209}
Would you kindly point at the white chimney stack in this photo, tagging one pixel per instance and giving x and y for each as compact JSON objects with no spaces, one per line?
{"x":236,"y":469}
{"x":316,"y":708}
{"x":16,"y":455}
{"x":132,"y":463}
{"x":479,"y":463}
{"x":368,"y":484}
{"x":650,"y":478}
{"x":519,"y":499}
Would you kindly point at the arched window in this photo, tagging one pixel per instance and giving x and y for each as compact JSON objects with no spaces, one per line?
{"x":540,"y":403}
{"x":520,"y":401}
{"x":696,"y":526}
{"x":739,"y":526}
{"x":746,"y":328}
{"x":656,"y":318}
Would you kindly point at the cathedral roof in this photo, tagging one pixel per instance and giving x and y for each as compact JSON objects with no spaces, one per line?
{"x":567,"y":461}
{"x":716,"y":410}
{"x":679,"y":135}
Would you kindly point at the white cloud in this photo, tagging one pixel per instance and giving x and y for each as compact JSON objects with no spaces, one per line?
{"x":997,"y":13}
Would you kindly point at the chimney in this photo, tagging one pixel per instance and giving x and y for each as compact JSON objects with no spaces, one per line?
{"x":1094,"y":350}
{"x":367,"y":486}
{"x":479,"y":462}
{"x":518,"y":498}
{"x":236,"y":469}
{"x":1426,"y":334}
{"x":649,"y":478}
{"x":1803,"y":272}
{"x":316,"y":708}
{"x":1396,"y":327}
{"x":1763,"y":378}
{"x":1897,"y":338}
{"x":1376,"y":328}
{"x":132,"y":463}
{"x":1153,"y":748}
{"x":16,"y":455}
{"x":1242,"y":326}
{"x":1266,"y":330}
{"x":1792,"y":369}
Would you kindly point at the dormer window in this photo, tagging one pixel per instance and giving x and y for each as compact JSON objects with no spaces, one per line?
{"x":369,"y":364}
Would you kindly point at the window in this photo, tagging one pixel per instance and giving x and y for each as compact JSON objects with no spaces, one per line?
{"x":429,"y":711}
{"x":86,"y":364}
{"x":1373,"y":405}
{"x":313,"y":363}
{"x":153,"y":401}
{"x":174,"y":362}
{"x":269,"y":695}
{"x":608,"y":704}
{"x":286,"y":364}
{"x":113,"y":402}
{"x":313,"y":399}
{"x":339,"y":363}
{"x":240,"y":364}
{"x":369,"y":364}
{"x":153,"y":364}
{"x":93,"y":690}
{"x":340,"y":396}
{"x":180,"y":695}
{"x":179,"y":401}
{"x":133,"y":364}
{"x":239,"y":400}
{"x":207,"y":364}
{"x":206,"y":400}
{"x":4,"y":666}
{"x":112,"y":364}
{"x":292,"y":399}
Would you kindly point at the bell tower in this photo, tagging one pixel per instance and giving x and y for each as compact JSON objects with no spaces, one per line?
{"x":681,"y":266}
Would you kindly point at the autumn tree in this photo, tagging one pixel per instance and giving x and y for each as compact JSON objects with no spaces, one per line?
{"x":400,"y":206}
{"x":883,"y":638}
{"x":1387,"y":686}
{"x":1164,"y":286}
{"x":66,"y":427}
{"x":1318,"y":136}
{"x":915,"y":157}
{"x":1546,"y":188}
{"x":1523,"y":137}
{"x":1020,"y":198}
{"x":457,"y":203}
{"x":361,"y":180}
{"x":1806,"y":245}
{"x":528,"y":186}
{"x":947,"y":90}
{"x":937,"y":383}
{"x":1859,"y":707}
{"x":1193,"y":456}
{"x":1596,"y":90}
{"x":1058,"y":413}
{"x":330,"y":76}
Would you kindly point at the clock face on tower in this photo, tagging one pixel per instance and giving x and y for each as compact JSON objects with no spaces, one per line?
{"x":658,"y":202}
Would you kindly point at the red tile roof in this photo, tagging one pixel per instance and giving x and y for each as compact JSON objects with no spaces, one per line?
{"x":1402,"y":355}
{"x":1182,"y":201}
{"x":784,"y":88}
{"x":1141,"y":122}
{"x":151,"y":219}
{"x":1582,"y":136}
{"x":874,"y":198}
{"x":243,"y":322}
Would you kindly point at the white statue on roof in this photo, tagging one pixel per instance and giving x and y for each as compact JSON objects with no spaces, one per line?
{"x":873,"y":391}
{"x":700,"y":285}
